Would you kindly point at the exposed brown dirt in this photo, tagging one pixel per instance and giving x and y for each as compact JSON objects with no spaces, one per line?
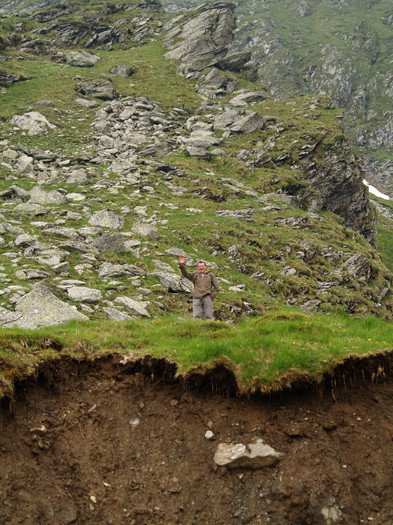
{"x":72,"y":451}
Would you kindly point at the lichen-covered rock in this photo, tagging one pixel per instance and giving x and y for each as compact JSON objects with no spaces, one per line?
{"x":83,"y":294}
{"x":40,"y":307}
{"x":146,"y":230}
{"x":107,"y":219}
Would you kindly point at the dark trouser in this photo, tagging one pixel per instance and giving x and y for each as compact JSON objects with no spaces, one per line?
{"x":202,"y":308}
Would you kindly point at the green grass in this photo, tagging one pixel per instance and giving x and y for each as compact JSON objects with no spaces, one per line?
{"x":265,"y":353}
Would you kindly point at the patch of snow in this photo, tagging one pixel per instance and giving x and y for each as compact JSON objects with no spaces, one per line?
{"x":374,"y":191}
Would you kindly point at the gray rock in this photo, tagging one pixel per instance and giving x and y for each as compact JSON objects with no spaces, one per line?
{"x":245,"y":215}
{"x":107,"y":219}
{"x":103,"y":89}
{"x":81,"y":58}
{"x":145,"y":229}
{"x":235,"y":60}
{"x":40,"y":307}
{"x":358,"y":267}
{"x":247,"y":124}
{"x":160,"y":265}
{"x":110,"y":242}
{"x":116,"y":315}
{"x":25,"y":240}
{"x":64,"y":513}
{"x":243,"y":99}
{"x":174,"y":283}
{"x":39,"y":196}
{"x":33,"y":122}
{"x":216,"y":84}
{"x":82,"y":294}
{"x":291,"y":200}
{"x":160,"y":149}
{"x":86,"y":103}
{"x":32,"y":273}
{"x":31,"y":208}
{"x":122,"y":71}
{"x":252,"y":456}
{"x":226,"y":118}
{"x":202,"y":40}
{"x":135,"y":307}
{"x":107,"y":270}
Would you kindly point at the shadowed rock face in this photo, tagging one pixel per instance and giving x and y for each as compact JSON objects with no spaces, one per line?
{"x":336,"y":185}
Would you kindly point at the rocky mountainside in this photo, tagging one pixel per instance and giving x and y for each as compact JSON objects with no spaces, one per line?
{"x":340,"y":48}
{"x":131,"y":136}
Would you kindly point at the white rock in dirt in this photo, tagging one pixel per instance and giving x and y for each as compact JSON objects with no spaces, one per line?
{"x":135,"y":307}
{"x":254,"y":455}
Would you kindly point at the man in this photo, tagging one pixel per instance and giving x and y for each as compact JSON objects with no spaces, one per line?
{"x":206,"y":289}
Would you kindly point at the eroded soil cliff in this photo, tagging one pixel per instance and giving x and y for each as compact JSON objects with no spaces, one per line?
{"x":87,"y":444}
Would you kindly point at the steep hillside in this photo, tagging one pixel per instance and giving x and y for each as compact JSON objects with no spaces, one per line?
{"x":338,"y":48}
{"x":113,"y":165}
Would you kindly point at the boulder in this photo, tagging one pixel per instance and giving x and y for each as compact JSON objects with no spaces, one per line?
{"x":116,"y":315}
{"x":145,"y":229}
{"x":103,"y":89}
{"x":109,"y":270}
{"x":250,"y":97}
{"x":248,"y":123}
{"x":234,"y":60}
{"x":82,"y":294}
{"x":226,"y":118}
{"x":135,"y":307}
{"x":174,"y":282}
{"x":107,"y":219}
{"x":7,"y":79}
{"x":358,"y":267}
{"x":81,"y":58}
{"x":33,"y":122}
{"x":110,"y":242}
{"x":30,"y":208}
{"x":41,"y":307}
{"x":39,"y":196}
{"x":31,"y":273}
{"x":252,"y":456}
{"x":122,"y":71}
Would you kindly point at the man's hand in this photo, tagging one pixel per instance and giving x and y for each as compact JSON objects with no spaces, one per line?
{"x":182,"y":260}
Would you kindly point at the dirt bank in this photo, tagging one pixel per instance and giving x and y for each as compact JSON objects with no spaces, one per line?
{"x":99,"y":444}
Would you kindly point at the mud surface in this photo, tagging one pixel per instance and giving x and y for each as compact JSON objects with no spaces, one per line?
{"x":89,"y":444}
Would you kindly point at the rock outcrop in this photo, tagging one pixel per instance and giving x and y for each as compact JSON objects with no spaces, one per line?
{"x":205,"y":40}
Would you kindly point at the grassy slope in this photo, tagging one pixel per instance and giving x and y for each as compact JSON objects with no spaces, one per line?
{"x":265,"y":352}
